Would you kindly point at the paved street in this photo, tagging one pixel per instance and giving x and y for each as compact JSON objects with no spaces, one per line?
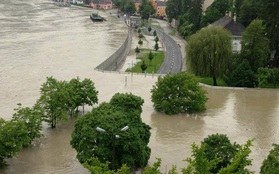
{"x":175,"y":49}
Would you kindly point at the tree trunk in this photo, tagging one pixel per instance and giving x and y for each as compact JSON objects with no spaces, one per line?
{"x":52,"y":122}
{"x":214,"y":80}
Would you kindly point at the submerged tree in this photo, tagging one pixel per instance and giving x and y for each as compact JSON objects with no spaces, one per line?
{"x":178,"y":93}
{"x":53,"y":99}
{"x":208,"y":52}
{"x":13,"y":137}
{"x":32,"y":119}
{"x":109,"y":142}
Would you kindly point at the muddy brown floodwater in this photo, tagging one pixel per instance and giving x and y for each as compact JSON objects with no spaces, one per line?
{"x":38,"y":39}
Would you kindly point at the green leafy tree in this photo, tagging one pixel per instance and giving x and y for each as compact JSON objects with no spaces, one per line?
{"x":156,"y":46}
{"x":139,"y":30}
{"x":96,"y":167}
{"x":186,"y":29}
{"x":156,"y":39}
{"x":172,"y":9}
{"x":249,"y":10}
{"x":218,"y":146}
{"x":255,"y":45}
{"x":240,"y":161}
{"x":89,"y":94}
{"x":143,"y":66}
{"x":269,"y":13}
{"x":178,"y":93}
{"x":155,"y":169}
{"x":53,"y":99}
{"x":150,"y":56}
{"x":32,"y":119}
{"x":241,"y":75}
{"x":275,"y":77}
{"x":80,"y":93}
{"x":74,"y":88}
{"x":199,"y":163}
{"x":117,"y":3}
{"x":122,"y":4}
{"x":270,"y":165}
{"x":140,"y":42}
{"x":268,"y":76}
{"x":13,"y":136}
{"x":215,"y":11}
{"x":141,"y":36}
{"x":131,"y":146}
{"x":191,"y":17}
{"x":149,"y":29}
{"x":129,"y":7}
{"x":137,"y":50}
{"x":154,"y":33}
{"x":208,"y":52}
{"x":146,"y":9}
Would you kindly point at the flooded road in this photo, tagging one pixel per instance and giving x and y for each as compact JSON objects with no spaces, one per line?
{"x":38,"y":39}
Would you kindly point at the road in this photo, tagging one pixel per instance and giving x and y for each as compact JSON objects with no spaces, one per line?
{"x":173,"y":57}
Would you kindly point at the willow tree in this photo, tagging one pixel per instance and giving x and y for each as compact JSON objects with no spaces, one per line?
{"x":208,"y":52}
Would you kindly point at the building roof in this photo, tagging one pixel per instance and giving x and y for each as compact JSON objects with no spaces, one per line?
{"x":137,"y":1}
{"x":228,"y":23}
{"x":161,"y":3}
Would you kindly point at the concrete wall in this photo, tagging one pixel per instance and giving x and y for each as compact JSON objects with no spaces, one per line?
{"x":115,"y":61}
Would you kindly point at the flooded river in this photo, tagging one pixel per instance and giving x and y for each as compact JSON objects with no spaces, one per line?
{"x":38,"y":39}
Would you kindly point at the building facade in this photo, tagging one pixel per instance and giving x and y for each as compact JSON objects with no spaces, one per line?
{"x":161,"y":9}
{"x":102,"y":4}
{"x":235,"y":28}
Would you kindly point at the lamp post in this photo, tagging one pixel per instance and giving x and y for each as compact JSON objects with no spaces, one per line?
{"x":114,"y":136}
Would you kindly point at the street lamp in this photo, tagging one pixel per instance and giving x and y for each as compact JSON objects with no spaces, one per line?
{"x":113,"y":140}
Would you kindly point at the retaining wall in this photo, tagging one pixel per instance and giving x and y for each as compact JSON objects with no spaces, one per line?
{"x":117,"y":59}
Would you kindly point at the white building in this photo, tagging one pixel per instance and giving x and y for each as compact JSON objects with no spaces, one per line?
{"x":235,"y":28}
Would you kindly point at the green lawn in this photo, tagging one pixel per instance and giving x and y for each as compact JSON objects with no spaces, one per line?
{"x":152,"y":66}
{"x":209,"y":81}
{"x":173,"y":32}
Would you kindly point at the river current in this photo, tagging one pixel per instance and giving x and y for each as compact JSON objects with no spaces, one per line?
{"x":38,"y":39}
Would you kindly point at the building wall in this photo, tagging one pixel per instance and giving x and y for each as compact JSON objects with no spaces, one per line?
{"x":137,"y":6}
{"x":236,"y":44}
{"x":206,"y":4}
{"x":161,"y":11}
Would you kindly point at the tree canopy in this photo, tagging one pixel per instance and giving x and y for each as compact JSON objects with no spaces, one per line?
{"x":218,"y":163}
{"x":209,"y":51}
{"x":255,"y":45}
{"x":60,"y":98}
{"x":178,"y":93}
{"x":215,"y":11}
{"x":131,"y":146}
{"x":32,"y":119}
{"x":270,"y":165}
{"x":269,"y":13}
{"x":146,"y":9}
{"x":13,"y":137}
